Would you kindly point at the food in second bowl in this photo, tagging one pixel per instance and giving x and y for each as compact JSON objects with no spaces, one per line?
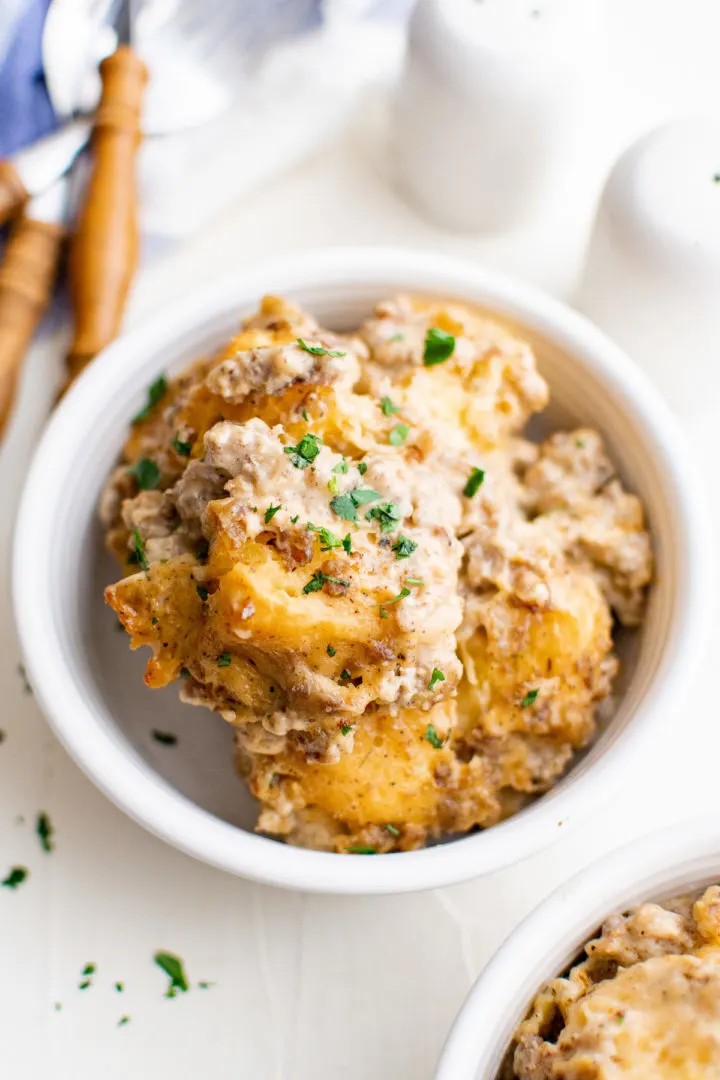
{"x":342,"y":544}
{"x":644,"y":1004}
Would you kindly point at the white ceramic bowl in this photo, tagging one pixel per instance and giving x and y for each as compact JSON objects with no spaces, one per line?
{"x":668,"y":863}
{"x":90,"y":686}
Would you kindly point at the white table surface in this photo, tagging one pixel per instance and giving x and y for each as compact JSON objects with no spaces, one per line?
{"x":306,"y":987}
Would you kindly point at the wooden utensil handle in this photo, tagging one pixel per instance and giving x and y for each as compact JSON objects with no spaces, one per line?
{"x":12,"y":191}
{"x":103,"y":255}
{"x":26,"y":280}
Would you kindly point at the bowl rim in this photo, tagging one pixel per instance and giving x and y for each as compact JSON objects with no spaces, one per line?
{"x":592,"y":894}
{"x":143,"y":795}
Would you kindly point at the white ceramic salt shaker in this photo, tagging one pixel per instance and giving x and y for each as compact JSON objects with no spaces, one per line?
{"x":490,"y":105}
{"x":652,"y":275}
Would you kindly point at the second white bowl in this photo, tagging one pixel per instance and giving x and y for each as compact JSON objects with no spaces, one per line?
{"x":669,"y":863}
{"x":91,"y":688}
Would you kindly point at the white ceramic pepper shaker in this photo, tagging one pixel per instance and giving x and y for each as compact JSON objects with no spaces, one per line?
{"x":652,"y":275}
{"x":490,"y":104}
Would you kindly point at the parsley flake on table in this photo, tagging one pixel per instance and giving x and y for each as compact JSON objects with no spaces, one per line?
{"x":403,"y":548}
{"x":204,"y":985}
{"x":224,"y":659}
{"x":436,"y":677}
{"x":398,"y":435}
{"x":119,"y":987}
{"x":174,"y":969}
{"x":146,"y":472}
{"x":183,"y":449}
{"x":166,"y":738}
{"x":439,"y":347}
{"x":345,"y":506}
{"x":432,"y":737}
{"x":271,"y":512}
{"x":386,"y":514}
{"x":319,"y":350}
{"x":305,"y":452}
{"x":331,"y":651}
{"x":361,"y":849}
{"x":202,"y":592}
{"x":138,"y":555}
{"x":27,"y":688}
{"x":318,"y":579}
{"x":17,"y":875}
{"x":387,"y":407}
{"x":529,"y":698}
{"x":341,"y":467}
{"x":123,"y":1021}
{"x":474,"y":483}
{"x":156,"y":392}
{"x":44,"y":830}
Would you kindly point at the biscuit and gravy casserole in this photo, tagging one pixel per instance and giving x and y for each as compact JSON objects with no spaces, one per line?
{"x":343,"y":545}
{"x":643,"y":1005}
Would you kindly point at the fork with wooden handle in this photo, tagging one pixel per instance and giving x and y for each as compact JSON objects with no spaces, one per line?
{"x":27,"y":276}
{"x":104,"y":249}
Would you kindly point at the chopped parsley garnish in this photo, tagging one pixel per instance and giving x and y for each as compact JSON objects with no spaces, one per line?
{"x":271,"y":512}
{"x":165,"y":737}
{"x":474,"y":483}
{"x":16,"y":877}
{"x":202,"y":551}
{"x":156,"y":392}
{"x":398,"y":435}
{"x":580,"y":443}
{"x":393,"y":830}
{"x":123,"y":1021}
{"x":387,"y":515}
{"x":293,"y":520}
{"x":400,"y":596}
{"x":347,"y":544}
{"x":153,"y":622}
{"x":529,"y":698}
{"x":341,"y":467}
{"x":328,"y":539}
{"x":432,"y":737}
{"x":305,"y":452}
{"x":146,"y":472}
{"x":404,"y":548}
{"x":387,"y":407}
{"x":184,"y":449}
{"x":318,"y":579}
{"x":331,"y":651}
{"x":436,"y":677}
{"x":319,"y":350}
{"x":361,"y":849}
{"x":138,"y":554}
{"x":345,"y":675}
{"x":346,"y":729}
{"x":362,"y":467}
{"x":333,"y":485}
{"x":175,"y":971}
{"x":44,"y":830}
{"x":224,"y":659}
{"x":305,"y":416}
{"x":202,"y":592}
{"x":439,"y":346}
{"x":345,"y":506}
{"x":414,"y":581}
{"x":119,"y":987}
{"x":184,"y":673}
